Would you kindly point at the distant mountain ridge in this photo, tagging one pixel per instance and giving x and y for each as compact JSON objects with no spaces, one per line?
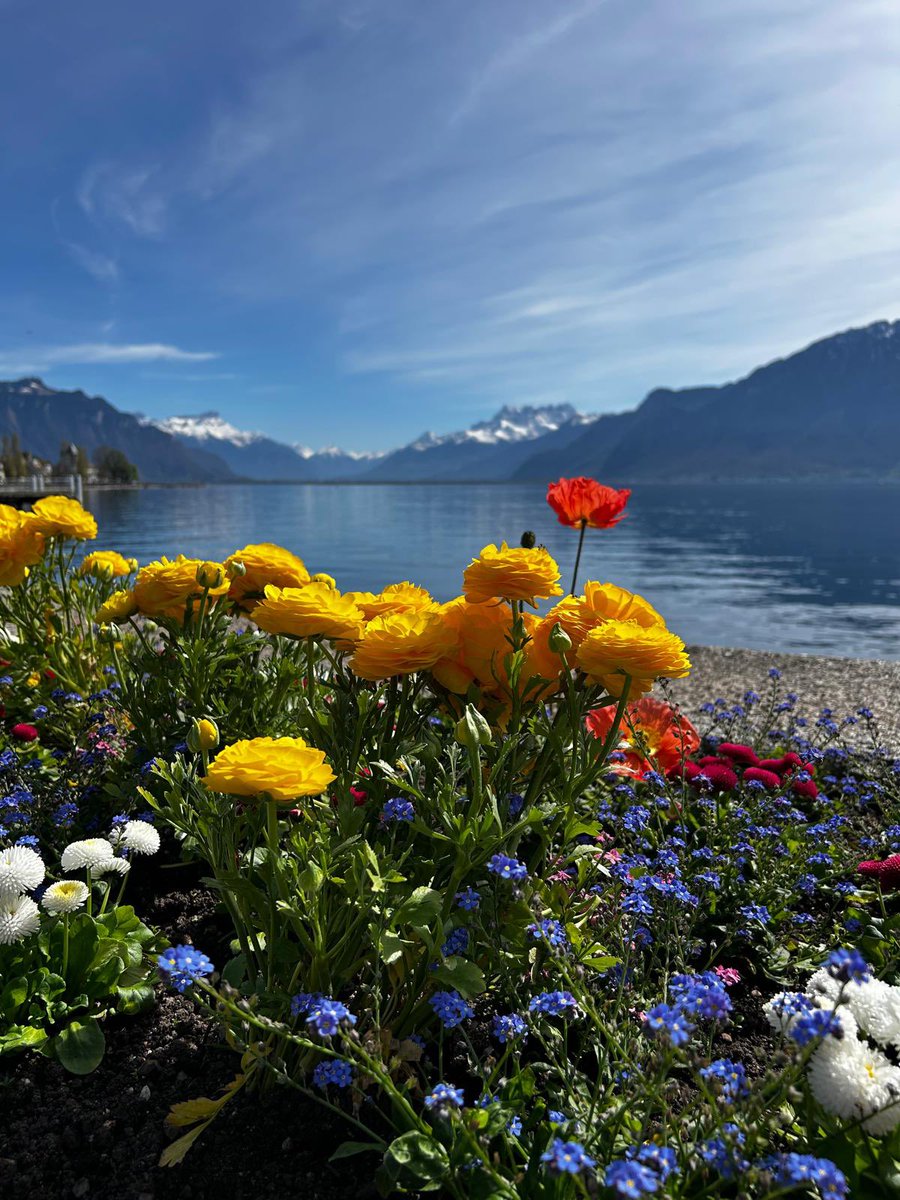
{"x":44,"y":418}
{"x":830,"y":410}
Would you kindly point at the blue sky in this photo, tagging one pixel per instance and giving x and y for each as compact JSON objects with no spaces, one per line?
{"x":347,"y":221}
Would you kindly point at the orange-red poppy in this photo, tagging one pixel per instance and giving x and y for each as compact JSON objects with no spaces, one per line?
{"x":652,"y":737}
{"x":583,"y":502}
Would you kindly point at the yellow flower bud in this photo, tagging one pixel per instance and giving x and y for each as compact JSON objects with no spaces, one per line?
{"x":204,"y":735}
{"x":210,"y":575}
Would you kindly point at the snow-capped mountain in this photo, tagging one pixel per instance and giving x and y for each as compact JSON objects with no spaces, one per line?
{"x":208,"y":426}
{"x":254,"y":455}
{"x":491,"y":449}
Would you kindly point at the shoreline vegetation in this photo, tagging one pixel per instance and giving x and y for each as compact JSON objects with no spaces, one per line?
{"x":501,"y":904}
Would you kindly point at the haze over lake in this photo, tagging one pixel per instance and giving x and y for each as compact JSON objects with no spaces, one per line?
{"x":806,"y":568}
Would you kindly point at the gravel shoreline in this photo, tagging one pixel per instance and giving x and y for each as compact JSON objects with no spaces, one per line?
{"x":841,"y":684}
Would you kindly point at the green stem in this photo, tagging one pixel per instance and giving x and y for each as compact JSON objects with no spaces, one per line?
{"x":578,"y":555}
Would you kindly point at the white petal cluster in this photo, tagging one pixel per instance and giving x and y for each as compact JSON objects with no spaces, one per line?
{"x":138,"y":836}
{"x":21,"y":870}
{"x":88,"y":853}
{"x":111,"y":866}
{"x":876,"y":1006}
{"x":19,"y":919}
{"x":65,"y":896}
{"x":850,"y":1077}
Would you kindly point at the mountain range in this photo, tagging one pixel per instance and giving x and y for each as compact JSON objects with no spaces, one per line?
{"x":829,"y":410}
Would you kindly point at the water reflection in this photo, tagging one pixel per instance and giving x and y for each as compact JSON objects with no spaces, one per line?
{"x":806,"y":568}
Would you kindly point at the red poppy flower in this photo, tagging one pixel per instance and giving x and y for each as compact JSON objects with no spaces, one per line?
{"x":744,"y":755}
{"x":583,"y":501}
{"x":886,"y":873}
{"x":652,"y":735}
{"x":25,"y":733}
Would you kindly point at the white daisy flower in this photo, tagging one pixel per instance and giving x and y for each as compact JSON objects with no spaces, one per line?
{"x":19,"y":919}
{"x":88,"y":853}
{"x":65,"y":896}
{"x":852,"y":1080}
{"x":21,"y":870}
{"x":112,"y":866}
{"x":139,"y":836}
{"x":821,"y":984}
{"x":876,"y":1006}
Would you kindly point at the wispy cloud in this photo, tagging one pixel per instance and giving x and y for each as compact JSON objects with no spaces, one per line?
{"x":101,"y":266}
{"x":39,"y":358}
{"x":123,"y":194}
{"x":396,"y":206}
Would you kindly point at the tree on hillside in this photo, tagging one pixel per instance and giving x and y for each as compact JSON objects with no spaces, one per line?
{"x":11,"y":456}
{"x":113,"y":466}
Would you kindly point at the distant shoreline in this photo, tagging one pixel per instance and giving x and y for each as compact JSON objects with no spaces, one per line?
{"x":808,"y":481}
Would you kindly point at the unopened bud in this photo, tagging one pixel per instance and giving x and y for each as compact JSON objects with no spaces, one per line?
{"x":210,"y":575}
{"x":108,"y":633}
{"x":528,"y":540}
{"x":473,"y":730}
{"x":204,"y":735}
{"x":559,"y":641}
{"x":321,"y":577}
{"x":236,"y":569}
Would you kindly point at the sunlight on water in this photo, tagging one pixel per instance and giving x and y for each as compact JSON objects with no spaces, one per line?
{"x":813,"y":569}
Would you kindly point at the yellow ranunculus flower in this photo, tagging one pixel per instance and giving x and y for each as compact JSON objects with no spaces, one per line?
{"x":264,"y":563}
{"x":118,"y":607}
{"x":396,"y":597}
{"x":107,"y":564}
{"x":512,"y":573}
{"x":401,"y":643}
{"x":625,"y":647}
{"x":163,"y":588}
{"x":602,"y":602}
{"x":316,"y":610}
{"x":21,"y":545}
{"x":60,"y":516}
{"x":284,"y":767}
{"x":483,"y":641}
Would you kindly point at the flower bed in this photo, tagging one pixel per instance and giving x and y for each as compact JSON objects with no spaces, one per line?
{"x":521,"y":927}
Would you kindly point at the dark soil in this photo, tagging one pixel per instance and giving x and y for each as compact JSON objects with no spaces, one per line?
{"x":100,"y":1136}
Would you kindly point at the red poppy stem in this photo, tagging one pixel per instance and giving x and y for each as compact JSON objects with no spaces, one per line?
{"x":578,"y":555}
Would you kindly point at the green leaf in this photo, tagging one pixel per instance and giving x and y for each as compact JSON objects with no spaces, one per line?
{"x":465,"y":976}
{"x":235,"y":970}
{"x":13,"y":996}
{"x":135,"y":999}
{"x":348,"y":1149}
{"x":22,"y":1037}
{"x":420,"y":908}
{"x":80,"y":1047}
{"x":413,"y":1162}
{"x":391,"y":947}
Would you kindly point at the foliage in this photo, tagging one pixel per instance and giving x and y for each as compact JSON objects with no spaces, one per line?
{"x":518,"y":928}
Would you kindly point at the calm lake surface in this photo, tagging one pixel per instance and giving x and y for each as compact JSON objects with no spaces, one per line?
{"x":811,"y":568}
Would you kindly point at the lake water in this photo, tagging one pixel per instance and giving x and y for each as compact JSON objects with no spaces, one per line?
{"x":804,"y":568}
